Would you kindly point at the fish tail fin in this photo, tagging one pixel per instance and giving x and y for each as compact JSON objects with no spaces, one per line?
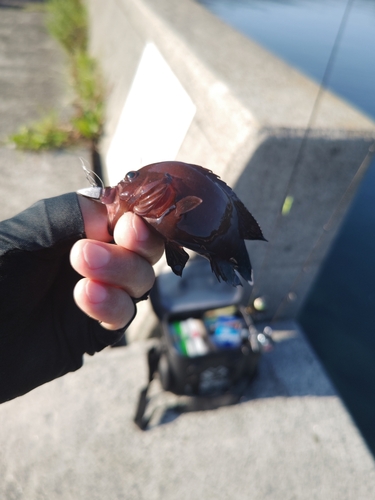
{"x":241,"y":262}
{"x":247,"y":273}
{"x":224,"y":270}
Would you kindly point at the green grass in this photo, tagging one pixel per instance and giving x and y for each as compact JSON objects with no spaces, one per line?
{"x":47,"y":133}
{"x":66,"y":21}
{"x":89,"y":104}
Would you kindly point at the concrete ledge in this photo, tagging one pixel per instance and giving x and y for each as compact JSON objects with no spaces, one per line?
{"x":27,"y":95}
{"x":252,"y":111}
{"x":289,"y":438}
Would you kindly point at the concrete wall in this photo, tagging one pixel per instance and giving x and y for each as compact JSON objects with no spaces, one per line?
{"x":242,"y":113}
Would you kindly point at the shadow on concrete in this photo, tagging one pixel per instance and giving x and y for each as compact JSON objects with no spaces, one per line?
{"x":298,"y":241}
{"x":339,"y":315}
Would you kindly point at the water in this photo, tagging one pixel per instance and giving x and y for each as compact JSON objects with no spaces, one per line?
{"x":339,"y":315}
{"x":303,"y":32}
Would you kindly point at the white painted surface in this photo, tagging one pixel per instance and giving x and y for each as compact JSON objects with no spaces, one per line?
{"x":155,"y":118}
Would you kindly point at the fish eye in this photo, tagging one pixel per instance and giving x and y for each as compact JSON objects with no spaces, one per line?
{"x":130,"y":176}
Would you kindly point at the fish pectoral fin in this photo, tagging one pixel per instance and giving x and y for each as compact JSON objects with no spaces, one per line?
{"x":176,"y":257}
{"x":187,"y":204}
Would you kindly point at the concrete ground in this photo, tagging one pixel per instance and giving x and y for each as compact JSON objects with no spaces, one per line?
{"x":290,"y":437}
{"x":33,"y":82}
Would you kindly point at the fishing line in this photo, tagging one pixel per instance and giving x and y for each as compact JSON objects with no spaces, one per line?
{"x":91,"y":176}
{"x":287,"y":201}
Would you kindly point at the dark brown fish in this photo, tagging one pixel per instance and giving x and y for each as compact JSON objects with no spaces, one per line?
{"x":189,"y":206}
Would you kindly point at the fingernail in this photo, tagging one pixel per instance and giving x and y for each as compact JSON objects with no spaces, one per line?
{"x":140,"y":229}
{"x":95,"y":255}
{"x":95,"y":292}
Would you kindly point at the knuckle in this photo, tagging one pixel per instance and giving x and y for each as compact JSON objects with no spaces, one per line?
{"x":142,"y":283}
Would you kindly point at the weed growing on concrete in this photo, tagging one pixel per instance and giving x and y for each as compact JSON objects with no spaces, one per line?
{"x":46,"y":133}
{"x":67,"y":23}
{"x":89,"y":104}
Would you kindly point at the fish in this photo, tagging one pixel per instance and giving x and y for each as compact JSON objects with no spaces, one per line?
{"x":189,"y":207}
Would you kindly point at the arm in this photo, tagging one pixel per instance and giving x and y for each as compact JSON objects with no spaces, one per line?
{"x":43,"y":334}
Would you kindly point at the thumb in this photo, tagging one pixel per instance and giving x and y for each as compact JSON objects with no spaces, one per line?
{"x":95,"y":219}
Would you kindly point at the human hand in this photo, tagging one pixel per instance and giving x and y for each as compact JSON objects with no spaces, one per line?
{"x":113,"y":274}
{"x":43,"y":334}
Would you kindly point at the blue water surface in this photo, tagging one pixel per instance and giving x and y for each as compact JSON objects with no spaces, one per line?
{"x":303,"y":33}
{"x":339,"y":314}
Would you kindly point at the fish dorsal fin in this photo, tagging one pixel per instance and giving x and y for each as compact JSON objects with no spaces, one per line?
{"x":249,"y":228}
{"x":187,"y":204}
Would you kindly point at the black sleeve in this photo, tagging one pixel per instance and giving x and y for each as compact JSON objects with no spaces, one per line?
{"x":43,"y":334}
